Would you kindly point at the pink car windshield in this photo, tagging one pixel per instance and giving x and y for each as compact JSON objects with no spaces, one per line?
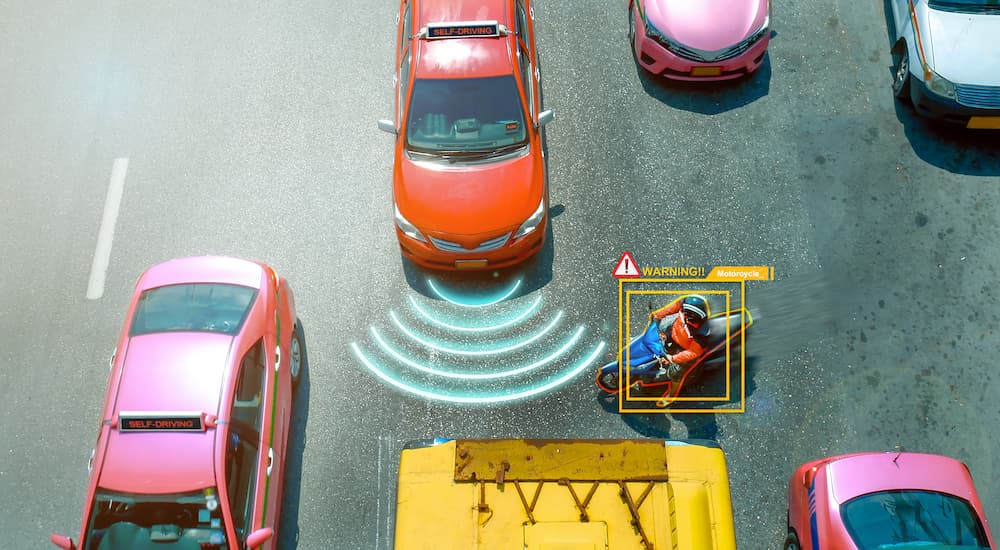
{"x":189,"y":521}
{"x":913,"y":519}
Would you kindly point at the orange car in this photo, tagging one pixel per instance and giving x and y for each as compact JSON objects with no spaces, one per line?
{"x":469,"y":177}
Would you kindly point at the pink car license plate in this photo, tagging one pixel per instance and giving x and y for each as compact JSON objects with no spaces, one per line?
{"x":706,"y":71}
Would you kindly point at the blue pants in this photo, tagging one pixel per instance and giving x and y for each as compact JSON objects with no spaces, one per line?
{"x":643,"y":351}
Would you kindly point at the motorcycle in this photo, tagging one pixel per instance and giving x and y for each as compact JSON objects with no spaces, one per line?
{"x":647,"y":381}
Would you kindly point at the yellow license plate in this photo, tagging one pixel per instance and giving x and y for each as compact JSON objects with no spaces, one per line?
{"x":984,"y":123}
{"x":706,"y":71}
{"x":470,"y":264}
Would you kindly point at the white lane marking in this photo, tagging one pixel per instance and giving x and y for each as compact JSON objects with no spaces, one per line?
{"x":378,"y":494}
{"x":383,"y":518}
{"x":102,"y":254}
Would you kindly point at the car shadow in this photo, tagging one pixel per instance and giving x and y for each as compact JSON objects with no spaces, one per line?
{"x":946,"y":146}
{"x":953,"y":148}
{"x":288,"y":523}
{"x":708,"y":98}
{"x":890,"y":25}
{"x":533,"y":274}
{"x":657,"y":425}
{"x":712,"y":382}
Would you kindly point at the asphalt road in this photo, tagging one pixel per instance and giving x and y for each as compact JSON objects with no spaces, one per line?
{"x":250,"y":131}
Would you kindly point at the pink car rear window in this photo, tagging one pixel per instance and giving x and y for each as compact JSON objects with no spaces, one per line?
{"x":193,"y":308}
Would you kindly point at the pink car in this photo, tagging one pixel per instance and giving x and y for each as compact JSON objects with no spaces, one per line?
{"x":896,"y":500}
{"x":700,"y":39}
{"x":190,"y":449}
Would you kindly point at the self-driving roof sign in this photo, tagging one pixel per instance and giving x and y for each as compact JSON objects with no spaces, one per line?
{"x":464,"y":29}
{"x":160,"y":422}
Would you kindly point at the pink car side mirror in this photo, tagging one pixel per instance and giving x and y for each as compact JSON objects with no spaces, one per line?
{"x":259,"y":537}
{"x":63,"y":542}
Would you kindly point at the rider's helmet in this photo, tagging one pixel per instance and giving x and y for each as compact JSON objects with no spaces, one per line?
{"x":694,"y":310}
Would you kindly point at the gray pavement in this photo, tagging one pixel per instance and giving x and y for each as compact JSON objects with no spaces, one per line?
{"x":250,"y":132}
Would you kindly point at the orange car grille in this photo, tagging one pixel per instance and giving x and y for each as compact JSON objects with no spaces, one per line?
{"x":484,"y":246}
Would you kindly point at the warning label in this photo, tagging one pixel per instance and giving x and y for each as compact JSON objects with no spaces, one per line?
{"x":626,"y":268}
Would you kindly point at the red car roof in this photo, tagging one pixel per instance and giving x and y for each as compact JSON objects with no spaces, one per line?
{"x":205,"y":269}
{"x":463,"y":57}
{"x":172,"y":371}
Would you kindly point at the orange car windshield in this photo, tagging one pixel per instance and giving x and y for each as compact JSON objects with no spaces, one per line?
{"x":467,"y":115}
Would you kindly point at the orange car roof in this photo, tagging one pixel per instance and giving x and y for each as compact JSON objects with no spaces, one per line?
{"x":463,"y":57}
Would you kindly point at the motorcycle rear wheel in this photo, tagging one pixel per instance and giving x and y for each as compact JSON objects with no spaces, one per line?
{"x":609,"y":381}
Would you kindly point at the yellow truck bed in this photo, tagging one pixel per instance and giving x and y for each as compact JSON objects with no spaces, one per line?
{"x":563,"y":495}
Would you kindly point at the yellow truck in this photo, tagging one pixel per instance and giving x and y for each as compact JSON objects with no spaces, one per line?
{"x":563,"y":495}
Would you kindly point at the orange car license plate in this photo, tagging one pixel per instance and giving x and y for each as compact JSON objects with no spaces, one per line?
{"x":984,"y":122}
{"x":470,"y":264}
{"x":706,"y":71}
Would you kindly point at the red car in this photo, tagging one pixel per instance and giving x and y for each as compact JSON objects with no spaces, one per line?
{"x":191,"y":445}
{"x":882,"y":501}
{"x":469,"y":176}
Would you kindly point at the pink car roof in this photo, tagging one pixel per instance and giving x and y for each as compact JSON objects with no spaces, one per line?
{"x":462,"y":57}
{"x":166,"y":372}
{"x":203,"y":269}
{"x":868,"y":473}
{"x":708,"y":25}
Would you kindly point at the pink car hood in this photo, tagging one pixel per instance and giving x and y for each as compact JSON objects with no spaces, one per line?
{"x":869,"y":473}
{"x":708,"y":25}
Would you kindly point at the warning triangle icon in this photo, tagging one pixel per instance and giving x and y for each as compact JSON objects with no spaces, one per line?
{"x":626,"y":268}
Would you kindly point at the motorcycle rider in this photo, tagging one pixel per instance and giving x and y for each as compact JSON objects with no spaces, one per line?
{"x":682,"y":328}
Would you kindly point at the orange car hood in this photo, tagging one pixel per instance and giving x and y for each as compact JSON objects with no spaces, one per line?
{"x":469,"y":199}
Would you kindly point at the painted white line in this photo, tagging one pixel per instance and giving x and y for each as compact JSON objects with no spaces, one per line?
{"x":384,"y":450}
{"x":102,"y":254}
{"x":378,"y":494}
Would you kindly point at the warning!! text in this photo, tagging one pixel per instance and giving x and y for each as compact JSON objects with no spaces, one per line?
{"x":673,"y":271}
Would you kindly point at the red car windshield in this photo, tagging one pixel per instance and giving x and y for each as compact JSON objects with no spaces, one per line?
{"x":189,"y":521}
{"x":922,"y":520}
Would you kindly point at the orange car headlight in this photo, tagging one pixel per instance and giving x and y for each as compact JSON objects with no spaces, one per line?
{"x":408,"y":228}
{"x":533,"y":221}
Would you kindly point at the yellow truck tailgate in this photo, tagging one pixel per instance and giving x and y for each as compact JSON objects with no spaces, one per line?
{"x":563,"y":495}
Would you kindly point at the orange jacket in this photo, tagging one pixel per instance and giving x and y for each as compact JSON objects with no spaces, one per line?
{"x":680,"y":334}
